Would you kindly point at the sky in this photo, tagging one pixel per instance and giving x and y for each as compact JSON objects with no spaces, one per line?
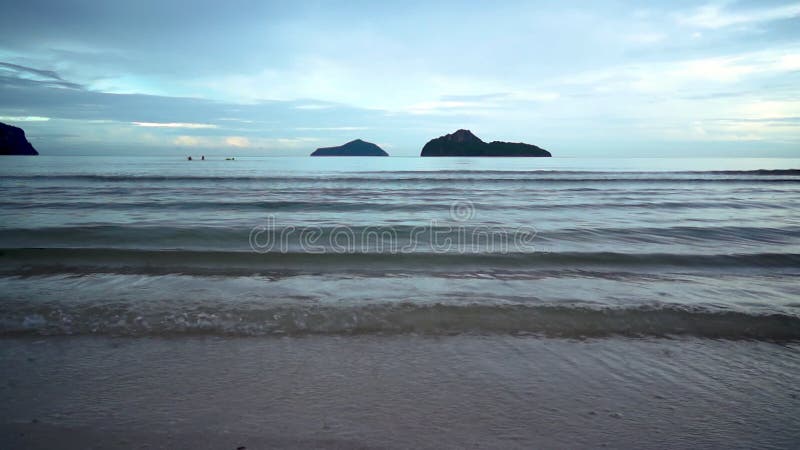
{"x":581,"y":79}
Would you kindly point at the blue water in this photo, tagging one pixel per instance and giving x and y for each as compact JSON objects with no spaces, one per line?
{"x":289,"y":245}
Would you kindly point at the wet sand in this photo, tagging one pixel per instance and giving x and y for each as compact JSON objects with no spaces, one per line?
{"x":397,"y":392}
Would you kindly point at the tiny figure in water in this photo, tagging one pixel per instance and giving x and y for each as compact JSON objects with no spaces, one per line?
{"x":203,"y":158}
{"x":189,"y":158}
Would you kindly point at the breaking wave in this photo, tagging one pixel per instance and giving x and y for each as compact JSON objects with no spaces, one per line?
{"x":32,"y":261}
{"x":128,"y":319}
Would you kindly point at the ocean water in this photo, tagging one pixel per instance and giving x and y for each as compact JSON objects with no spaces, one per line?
{"x":272,"y":246}
{"x":399,"y":302}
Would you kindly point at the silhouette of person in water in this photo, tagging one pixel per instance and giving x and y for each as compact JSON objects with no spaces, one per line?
{"x":189,"y":158}
{"x":203,"y":158}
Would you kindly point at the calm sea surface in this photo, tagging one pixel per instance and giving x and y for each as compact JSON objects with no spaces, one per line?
{"x":261,"y":246}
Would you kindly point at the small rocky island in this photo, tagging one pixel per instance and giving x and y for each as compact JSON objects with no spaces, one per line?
{"x":13,"y":141}
{"x":352,"y":148}
{"x":464,"y":143}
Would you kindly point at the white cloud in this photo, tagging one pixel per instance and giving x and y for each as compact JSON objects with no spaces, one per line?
{"x":715,"y":16}
{"x":313,"y":106}
{"x":788,"y":63}
{"x":24,"y":118}
{"x":240,"y":142}
{"x":237,"y":141}
{"x":173,"y":125}
{"x":762,"y":110}
{"x":479,"y":104}
{"x":714,"y":69}
{"x":604,"y":70}
{"x":699,"y":74}
{"x":441,"y":106}
{"x":188,"y":141}
{"x":307,"y":78}
{"x":739,"y":131}
{"x":331,"y":128}
{"x":235,"y":119}
{"x":646,"y":38}
{"x":543,"y":96}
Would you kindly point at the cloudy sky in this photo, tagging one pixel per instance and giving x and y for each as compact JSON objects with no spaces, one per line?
{"x":583,"y":78}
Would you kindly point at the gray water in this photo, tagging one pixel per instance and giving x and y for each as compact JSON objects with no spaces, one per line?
{"x":273,"y":246}
{"x":399,"y":303}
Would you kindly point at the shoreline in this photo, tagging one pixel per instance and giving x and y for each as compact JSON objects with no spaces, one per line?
{"x":397,"y":392}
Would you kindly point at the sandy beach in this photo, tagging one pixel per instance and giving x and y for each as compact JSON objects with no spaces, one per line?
{"x":397,"y":392}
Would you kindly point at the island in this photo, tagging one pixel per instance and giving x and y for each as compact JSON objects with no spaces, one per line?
{"x":464,"y":143}
{"x":13,"y":141}
{"x":352,"y":148}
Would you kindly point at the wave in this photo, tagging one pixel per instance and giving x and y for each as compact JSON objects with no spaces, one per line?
{"x":762,"y":172}
{"x":434,"y":177}
{"x":33,"y":261}
{"x":255,"y":205}
{"x":132,"y":319}
{"x":462,"y":236}
{"x":678,"y":234}
{"x":341,"y":206}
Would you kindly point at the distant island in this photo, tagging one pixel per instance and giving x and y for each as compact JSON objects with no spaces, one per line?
{"x":464,"y":143}
{"x":13,"y":141}
{"x":352,"y":148}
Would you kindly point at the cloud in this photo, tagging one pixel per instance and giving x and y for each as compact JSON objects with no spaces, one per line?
{"x":188,"y":141}
{"x":174,"y":125}
{"x":769,"y":110}
{"x":96,"y":121}
{"x":646,"y":38}
{"x":774,"y":119}
{"x":240,"y":142}
{"x":234,"y":119}
{"x":40,"y":76}
{"x":737,"y":130}
{"x":536,"y":96}
{"x":447,"y":106}
{"x":271,"y":74}
{"x":314,"y":106}
{"x":714,"y":69}
{"x":237,"y":141}
{"x":716,"y":16}
{"x":28,"y":98}
{"x":331,"y":128}
{"x":480,"y":104}
{"x":693,"y":78}
{"x":788,"y":63}
{"x":475,"y":97}
{"x":24,"y":118}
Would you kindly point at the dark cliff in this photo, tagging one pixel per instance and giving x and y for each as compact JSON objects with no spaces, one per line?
{"x":13,"y":141}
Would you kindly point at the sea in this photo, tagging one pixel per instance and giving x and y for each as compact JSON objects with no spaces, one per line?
{"x":400,"y":302}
